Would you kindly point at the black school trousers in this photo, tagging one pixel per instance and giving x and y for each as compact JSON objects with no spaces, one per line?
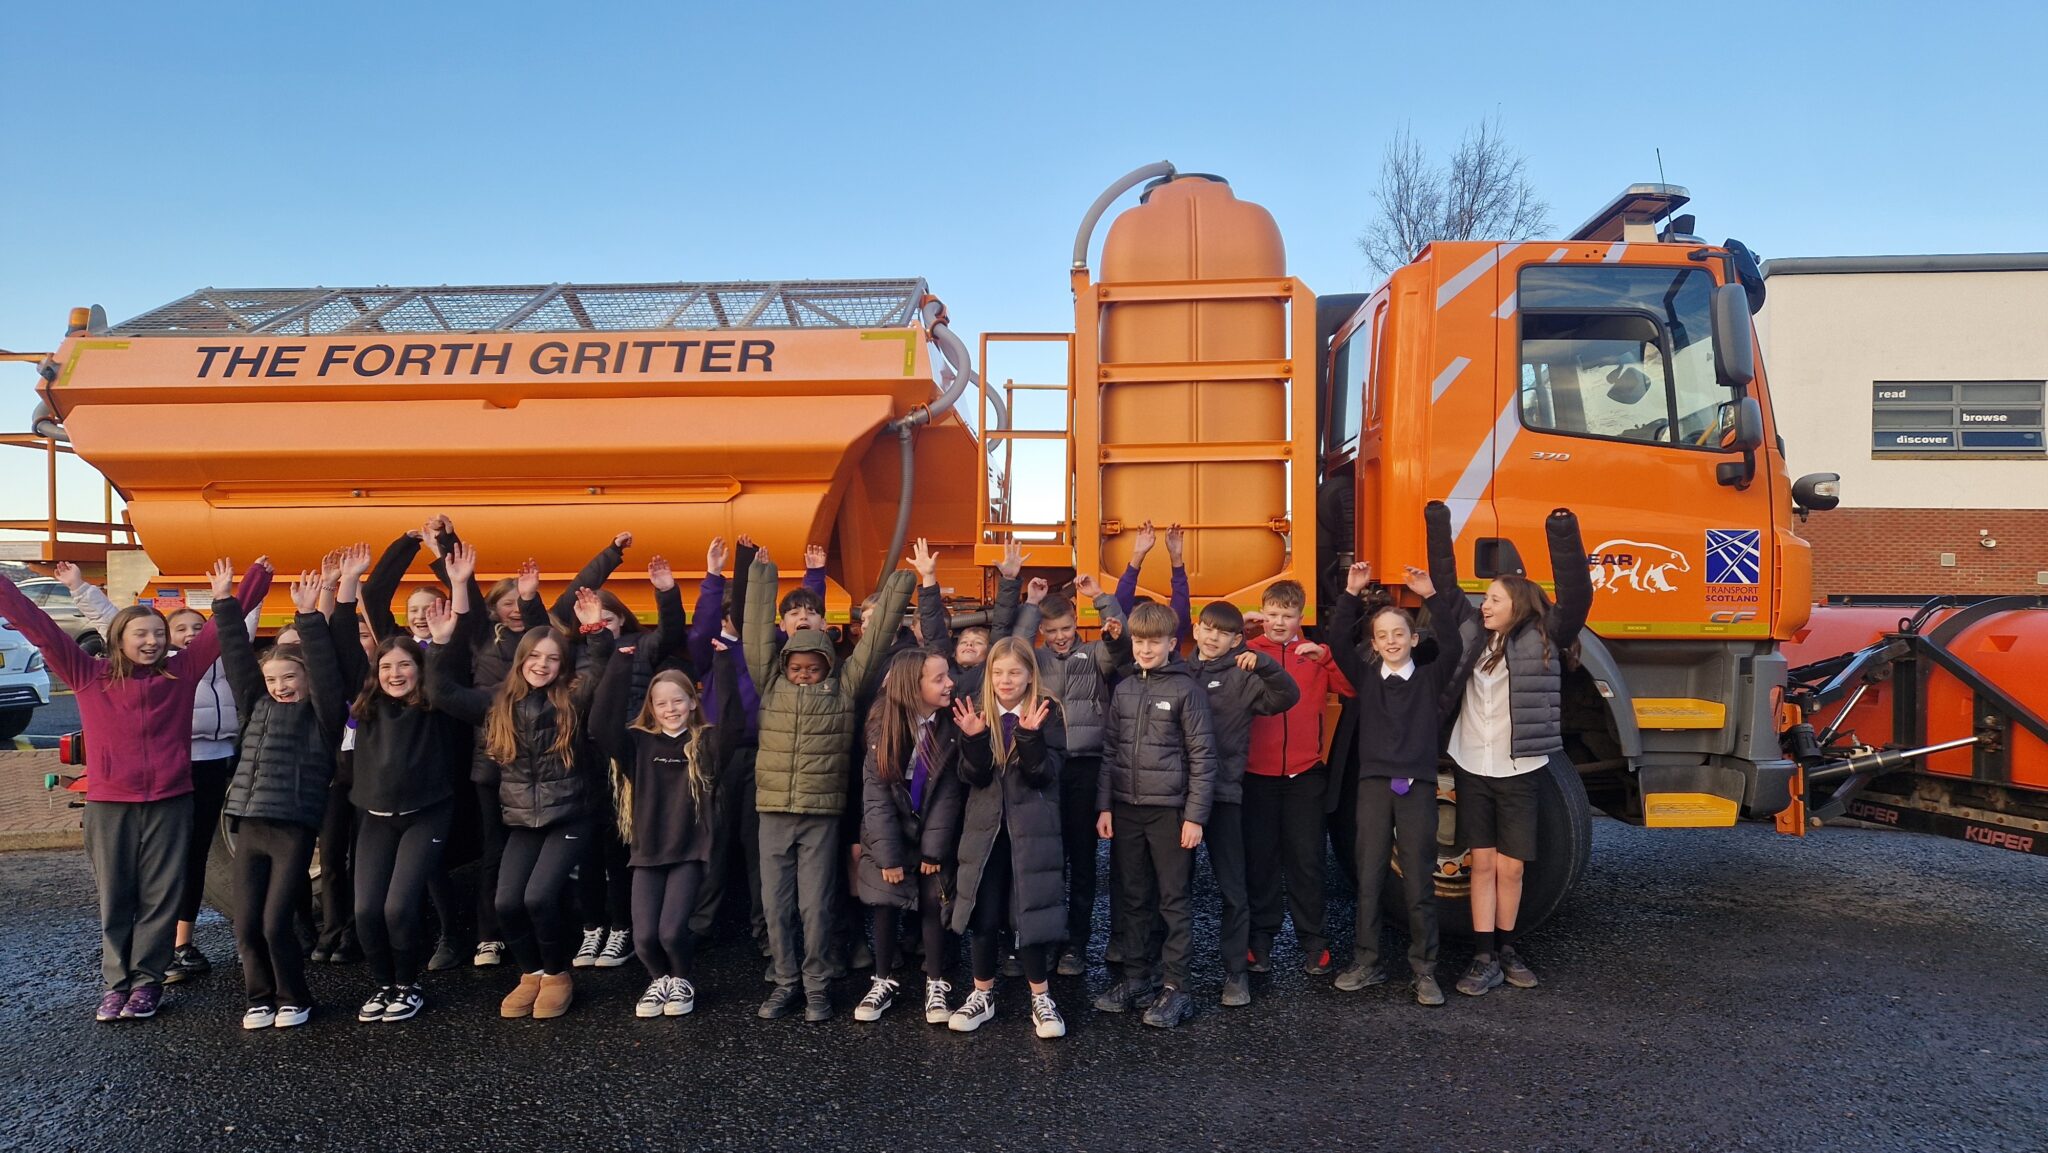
{"x":1284,"y":835}
{"x":735,"y":851}
{"x":209,"y":792}
{"x":931,"y":923}
{"x":1150,"y":879}
{"x":1079,"y":845}
{"x":664,"y":896}
{"x":1388,"y":821}
{"x":271,"y":863}
{"x":396,"y":858}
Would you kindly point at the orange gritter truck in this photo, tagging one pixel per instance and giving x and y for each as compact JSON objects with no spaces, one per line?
{"x":1613,"y":371}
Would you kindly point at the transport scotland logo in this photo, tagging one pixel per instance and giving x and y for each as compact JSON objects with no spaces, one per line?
{"x":1733,"y":556}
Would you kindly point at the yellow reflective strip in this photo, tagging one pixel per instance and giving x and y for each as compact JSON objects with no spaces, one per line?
{"x":1687,"y":811}
{"x":1679,"y":713}
{"x":909,"y":339}
{"x":79,"y":349}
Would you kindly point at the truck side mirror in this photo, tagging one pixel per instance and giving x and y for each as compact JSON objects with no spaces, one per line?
{"x":1734,"y":339}
{"x":1749,"y":424}
{"x":1817,"y":492}
{"x":1745,"y":435}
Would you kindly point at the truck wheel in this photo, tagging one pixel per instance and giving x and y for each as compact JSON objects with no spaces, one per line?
{"x":1564,"y":842}
{"x":14,"y":722}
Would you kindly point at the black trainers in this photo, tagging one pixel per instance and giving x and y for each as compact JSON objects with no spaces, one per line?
{"x":1483,"y":974}
{"x":404,"y":1003}
{"x":1127,"y":993}
{"x":1260,"y":958}
{"x":1173,"y":1006}
{"x":1012,"y":967}
{"x":373,"y":1009}
{"x":186,"y":962}
{"x":1072,"y":964}
{"x":445,"y":957}
{"x":1357,"y":977}
{"x":1237,"y":990}
{"x":781,"y":1003}
{"x":1512,"y":967}
{"x":1427,"y":991}
{"x":817,"y":1006}
{"x":1317,"y":965}
{"x":881,"y":995}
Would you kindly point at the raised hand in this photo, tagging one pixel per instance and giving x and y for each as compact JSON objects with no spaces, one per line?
{"x":1358,"y":578}
{"x":1419,"y":582}
{"x":746,"y":541}
{"x":71,"y":575}
{"x":1142,"y":546}
{"x":441,"y":621}
{"x":1254,"y":621}
{"x":1013,"y":559}
{"x":461,"y":562}
{"x":330,"y":569}
{"x":529,"y":579}
{"x":306,"y":591}
{"x":1311,"y":651}
{"x":1174,"y":540}
{"x":1087,"y":586}
{"x":814,"y":555}
{"x":760,"y":553}
{"x":1036,"y":717}
{"x":921,"y":558}
{"x":715,"y":556}
{"x":623,"y":541}
{"x":967,"y":719}
{"x":1035,"y":590}
{"x":589,"y":609}
{"x":1113,"y":628}
{"x":430,"y":536}
{"x":354,"y":561}
{"x":221,"y":578}
{"x":1248,"y":660}
{"x":659,"y":574}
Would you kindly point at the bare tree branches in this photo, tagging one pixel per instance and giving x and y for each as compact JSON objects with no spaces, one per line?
{"x":1483,"y":193}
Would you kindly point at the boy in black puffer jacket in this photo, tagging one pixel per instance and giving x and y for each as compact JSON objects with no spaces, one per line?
{"x":293,"y":706}
{"x":1154,"y":795}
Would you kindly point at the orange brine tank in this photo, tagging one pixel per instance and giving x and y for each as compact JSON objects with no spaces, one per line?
{"x":1216,"y":480}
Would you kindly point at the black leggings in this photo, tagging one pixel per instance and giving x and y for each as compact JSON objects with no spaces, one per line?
{"x":604,"y":883}
{"x":664,"y":896}
{"x":271,"y":862}
{"x":532,"y":880}
{"x":396,"y":857}
{"x":209,"y":792}
{"x":491,"y":841}
{"x":992,"y":918}
{"x":931,"y":922}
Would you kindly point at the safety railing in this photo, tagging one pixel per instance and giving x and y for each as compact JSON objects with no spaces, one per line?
{"x":52,"y":537}
{"x":997,"y":491}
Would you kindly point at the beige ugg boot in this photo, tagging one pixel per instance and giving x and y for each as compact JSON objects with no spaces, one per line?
{"x":556,"y":991}
{"x":519,"y":1002}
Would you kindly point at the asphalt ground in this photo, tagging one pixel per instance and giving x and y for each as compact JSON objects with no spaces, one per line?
{"x":1711,"y":990}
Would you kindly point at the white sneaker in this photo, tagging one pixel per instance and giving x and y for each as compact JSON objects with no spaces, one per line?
{"x":974,"y":1012}
{"x":652,"y":1001}
{"x":586,"y":954}
{"x":682,"y":998}
{"x":936,"y":1011}
{"x":1045,"y":1017}
{"x":618,"y":949}
{"x":259,"y":1017}
{"x":881,"y":995}
{"x":489,"y":953}
{"x":290,"y":1015}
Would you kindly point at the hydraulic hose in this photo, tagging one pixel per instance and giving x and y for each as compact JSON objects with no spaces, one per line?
{"x":1137,"y":176}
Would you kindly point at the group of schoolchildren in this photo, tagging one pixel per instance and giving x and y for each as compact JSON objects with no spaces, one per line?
{"x":956,"y":783}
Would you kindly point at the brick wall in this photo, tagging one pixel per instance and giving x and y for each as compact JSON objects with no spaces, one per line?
{"x":1897,"y":551}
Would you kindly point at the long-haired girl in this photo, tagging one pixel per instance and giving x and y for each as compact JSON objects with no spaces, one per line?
{"x":1011,"y":865}
{"x":909,"y":826}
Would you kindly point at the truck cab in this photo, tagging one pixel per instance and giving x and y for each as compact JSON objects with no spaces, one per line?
{"x":1613,"y":372}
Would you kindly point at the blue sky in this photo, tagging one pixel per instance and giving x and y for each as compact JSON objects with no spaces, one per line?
{"x":156,"y":149}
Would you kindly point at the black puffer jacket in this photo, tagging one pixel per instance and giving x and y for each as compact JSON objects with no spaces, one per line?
{"x":895,"y":835}
{"x":1536,"y":651}
{"x":1025,"y":799}
{"x":1161,"y":748}
{"x":538,"y":787}
{"x":1081,"y":678}
{"x":288,"y":750}
{"x":492,"y":649}
{"x":1236,"y":696}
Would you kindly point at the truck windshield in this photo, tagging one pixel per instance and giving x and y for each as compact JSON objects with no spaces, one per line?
{"x":1624,"y":352}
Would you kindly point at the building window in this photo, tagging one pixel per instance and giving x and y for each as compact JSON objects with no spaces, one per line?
{"x":1957,"y":418}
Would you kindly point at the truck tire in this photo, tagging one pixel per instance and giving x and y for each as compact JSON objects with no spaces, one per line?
{"x":14,"y":722}
{"x":1564,"y":843}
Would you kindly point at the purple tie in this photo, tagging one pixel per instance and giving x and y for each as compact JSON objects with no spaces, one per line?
{"x":1401,"y":785}
{"x":920,"y":766}
{"x":1009,"y":730}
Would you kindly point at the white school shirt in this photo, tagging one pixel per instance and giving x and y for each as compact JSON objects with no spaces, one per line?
{"x":1484,"y":734}
{"x":1406,"y":670}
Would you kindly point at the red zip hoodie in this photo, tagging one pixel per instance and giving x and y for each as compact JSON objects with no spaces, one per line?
{"x":1291,"y":743}
{"x":138,"y":743}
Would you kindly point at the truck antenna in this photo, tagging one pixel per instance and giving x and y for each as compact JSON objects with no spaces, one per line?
{"x":1660,"y":167}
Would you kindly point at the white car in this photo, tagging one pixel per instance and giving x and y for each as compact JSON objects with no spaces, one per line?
{"x":24,"y":682}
